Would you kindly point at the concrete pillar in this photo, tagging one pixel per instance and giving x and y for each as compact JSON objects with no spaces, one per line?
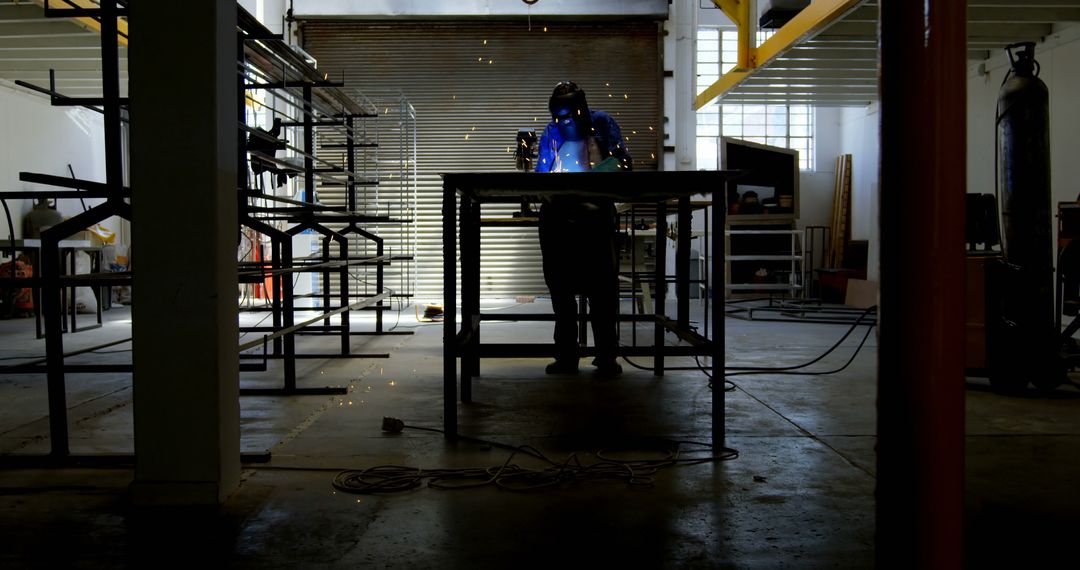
{"x":920,"y":487}
{"x":184,"y":173}
{"x":685,"y":14}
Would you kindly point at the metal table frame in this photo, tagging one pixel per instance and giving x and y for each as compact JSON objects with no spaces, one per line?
{"x":461,"y":229}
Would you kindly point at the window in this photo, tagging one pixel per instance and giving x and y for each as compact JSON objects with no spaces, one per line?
{"x":788,"y":126}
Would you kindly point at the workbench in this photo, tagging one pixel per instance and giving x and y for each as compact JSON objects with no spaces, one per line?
{"x":669,"y":192}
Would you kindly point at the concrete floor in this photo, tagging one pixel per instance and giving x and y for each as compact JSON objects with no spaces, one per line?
{"x":799,"y":495}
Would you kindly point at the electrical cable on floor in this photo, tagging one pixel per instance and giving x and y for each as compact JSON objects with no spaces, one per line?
{"x":511,"y":477}
{"x":743,"y":370}
{"x":792,"y":371}
{"x":787,"y":370}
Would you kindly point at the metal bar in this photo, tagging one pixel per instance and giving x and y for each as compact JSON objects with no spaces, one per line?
{"x":54,"y":320}
{"x":111,"y":100}
{"x":450,"y":351}
{"x":660,"y":285}
{"x":97,"y":188}
{"x":379,"y":282}
{"x":309,"y":356}
{"x":719,"y":365}
{"x":309,"y":267}
{"x":89,"y":102}
{"x":309,"y":148}
{"x":343,"y":293}
{"x":469,"y":244}
{"x":288,"y":331}
{"x":707,"y":294}
{"x":920,"y":398}
{"x":350,"y":165}
{"x":54,"y":194}
{"x":682,"y":262}
{"x":541,"y":350}
{"x":55,"y":96}
{"x":286,"y":84}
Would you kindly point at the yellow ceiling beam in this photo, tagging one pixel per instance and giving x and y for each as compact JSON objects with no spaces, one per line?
{"x":739,"y":12}
{"x":806,"y":24}
{"x":88,"y":23}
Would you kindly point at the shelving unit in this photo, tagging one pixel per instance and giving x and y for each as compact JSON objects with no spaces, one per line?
{"x":311,"y":162}
{"x":763,"y":258}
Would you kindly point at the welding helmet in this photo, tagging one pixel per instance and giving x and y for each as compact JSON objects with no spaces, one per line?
{"x":570,"y":111}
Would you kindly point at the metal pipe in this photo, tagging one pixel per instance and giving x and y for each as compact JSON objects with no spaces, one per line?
{"x":682,"y":262}
{"x":920,"y":402}
{"x":660,"y":286}
{"x":288,"y":331}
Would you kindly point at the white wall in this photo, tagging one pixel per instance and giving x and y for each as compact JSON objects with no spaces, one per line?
{"x":37,"y":137}
{"x":859,"y":136}
{"x":270,"y":12}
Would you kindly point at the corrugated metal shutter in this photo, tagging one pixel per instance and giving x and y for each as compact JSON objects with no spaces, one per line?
{"x":474,"y":85}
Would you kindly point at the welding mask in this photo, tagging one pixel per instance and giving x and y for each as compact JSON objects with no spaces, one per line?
{"x":570,"y":111}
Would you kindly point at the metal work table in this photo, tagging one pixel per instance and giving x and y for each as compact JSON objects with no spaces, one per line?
{"x":461,"y":227}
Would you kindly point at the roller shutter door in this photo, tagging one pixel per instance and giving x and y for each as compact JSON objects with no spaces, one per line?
{"x":474,"y":85}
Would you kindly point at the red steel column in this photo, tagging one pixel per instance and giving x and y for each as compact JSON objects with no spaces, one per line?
{"x":920,"y":489}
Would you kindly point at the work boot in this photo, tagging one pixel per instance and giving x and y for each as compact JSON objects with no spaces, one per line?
{"x":562,"y":367}
{"x":607,"y":367}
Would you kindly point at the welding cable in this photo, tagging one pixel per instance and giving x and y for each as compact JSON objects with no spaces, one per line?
{"x":788,"y":370}
{"x":792,"y":371}
{"x":850,"y":330}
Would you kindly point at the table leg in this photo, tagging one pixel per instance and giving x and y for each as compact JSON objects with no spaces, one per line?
{"x":661,"y":288}
{"x":450,"y":351}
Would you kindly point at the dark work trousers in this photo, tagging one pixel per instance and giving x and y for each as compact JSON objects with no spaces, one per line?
{"x":577,"y":240}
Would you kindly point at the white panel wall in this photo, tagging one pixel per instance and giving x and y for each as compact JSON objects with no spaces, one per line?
{"x":37,"y":137}
{"x":816,"y":186}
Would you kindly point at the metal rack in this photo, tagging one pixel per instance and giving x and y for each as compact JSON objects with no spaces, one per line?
{"x":317,"y":105}
{"x":792,"y":259}
{"x":331,"y":176}
{"x":51,"y":283}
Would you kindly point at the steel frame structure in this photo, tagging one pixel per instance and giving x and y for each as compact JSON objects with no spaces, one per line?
{"x":307,"y":215}
{"x":461,"y":228}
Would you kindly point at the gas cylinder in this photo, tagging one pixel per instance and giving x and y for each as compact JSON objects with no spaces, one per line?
{"x":1026,"y":341}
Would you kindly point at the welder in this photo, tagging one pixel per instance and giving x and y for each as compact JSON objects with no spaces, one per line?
{"x":577,"y":233}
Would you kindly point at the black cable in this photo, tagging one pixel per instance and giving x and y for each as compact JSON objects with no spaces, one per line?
{"x":851,"y":329}
{"x":790,"y":371}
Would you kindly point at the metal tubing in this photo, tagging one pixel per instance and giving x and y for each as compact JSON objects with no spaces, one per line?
{"x":54,"y":319}
{"x":288,"y":331}
{"x":470,"y":293}
{"x":92,"y":189}
{"x":682,"y":263}
{"x":660,"y":287}
{"x":287,"y":315}
{"x":350,"y":166}
{"x":379,"y":275}
{"x":716,"y":294}
{"x":309,"y":148}
{"x":110,"y":86}
{"x":708,"y":275}
{"x":449,"y":213}
{"x":920,"y":449}
{"x":343,"y":291}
